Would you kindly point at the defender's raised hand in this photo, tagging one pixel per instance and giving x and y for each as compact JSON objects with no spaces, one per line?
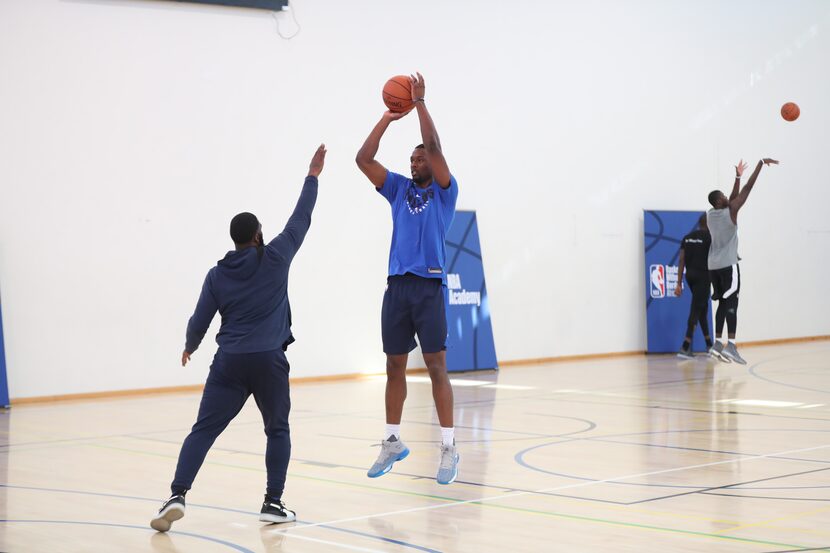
{"x":769,"y":161}
{"x":740,"y":168}
{"x":317,"y":162}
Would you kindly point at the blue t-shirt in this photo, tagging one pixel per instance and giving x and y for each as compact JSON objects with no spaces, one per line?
{"x":421,"y":218}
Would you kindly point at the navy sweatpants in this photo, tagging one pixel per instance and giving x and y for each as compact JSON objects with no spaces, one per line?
{"x":233,"y":377}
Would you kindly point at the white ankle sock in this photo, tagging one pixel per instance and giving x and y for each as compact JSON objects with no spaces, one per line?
{"x":392,"y":430}
{"x":448,"y":435}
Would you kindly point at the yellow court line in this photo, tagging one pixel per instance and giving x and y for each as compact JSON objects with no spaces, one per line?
{"x":654,"y":512}
{"x":449,"y":501}
{"x":390,"y":490}
{"x":420,"y":494}
{"x":807,"y":531}
{"x":768,"y":522}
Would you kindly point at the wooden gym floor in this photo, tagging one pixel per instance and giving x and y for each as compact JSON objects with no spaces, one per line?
{"x":624,"y":454}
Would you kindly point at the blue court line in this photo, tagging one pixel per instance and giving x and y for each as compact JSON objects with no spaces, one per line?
{"x":695,"y":489}
{"x":519,"y":457}
{"x":133,"y":527}
{"x":753,"y":372}
{"x":362,"y":469}
{"x":765,"y":497}
{"x":203,"y":506}
{"x":236,"y":424}
{"x":803,"y":549}
{"x":590,"y":425}
{"x":150,"y":433}
{"x":704,"y":450}
{"x":727,"y":486}
{"x":436,"y":441}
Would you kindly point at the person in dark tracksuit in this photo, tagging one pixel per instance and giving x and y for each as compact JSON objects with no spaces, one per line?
{"x":249,"y":288}
{"x":694,"y":257}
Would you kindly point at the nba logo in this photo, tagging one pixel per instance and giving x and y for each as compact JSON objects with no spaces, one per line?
{"x":657,"y":281}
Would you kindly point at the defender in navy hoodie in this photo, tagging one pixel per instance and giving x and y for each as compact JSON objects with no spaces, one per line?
{"x":249,"y":289}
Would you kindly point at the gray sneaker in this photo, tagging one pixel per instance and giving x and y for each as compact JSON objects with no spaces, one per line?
{"x":716,"y":352}
{"x":685,"y":354}
{"x":448,"y":466}
{"x":731,"y":352}
{"x":391,"y":450}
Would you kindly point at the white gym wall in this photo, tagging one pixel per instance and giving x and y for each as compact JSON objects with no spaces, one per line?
{"x":132,"y":131}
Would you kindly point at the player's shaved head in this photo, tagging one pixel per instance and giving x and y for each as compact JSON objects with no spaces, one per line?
{"x":717,"y":199}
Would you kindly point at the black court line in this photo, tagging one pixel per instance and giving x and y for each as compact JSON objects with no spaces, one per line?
{"x":543,"y":396}
{"x":362,"y":469}
{"x":145,"y":529}
{"x":568,"y":398}
{"x":436,"y":441}
{"x":797,"y":550}
{"x":713,"y":412}
{"x":765,"y":496}
{"x":704,"y":450}
{"x":664,"y":238}
{"x":532,"y":492}
{"x":783,"y":487}
{"x":530,"y":436}
{"x":660,"y":228}
{"x":726,"y":486}
{"x":519,"y":456}
{"x":753,"y":371}
{"x":464,"y":249}
{"x":463,"y":240}
{"x":259,"y":422}
{"x":519,"y":459}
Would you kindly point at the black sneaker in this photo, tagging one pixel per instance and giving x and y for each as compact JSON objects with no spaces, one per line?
{"x":171,"y":511}
{"x":273,"y":510}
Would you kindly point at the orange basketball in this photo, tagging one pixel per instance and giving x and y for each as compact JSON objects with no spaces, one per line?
{"x":790,"y":111}
{"x":397,"y":94}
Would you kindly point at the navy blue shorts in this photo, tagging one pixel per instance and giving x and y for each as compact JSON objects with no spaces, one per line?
{"x":413,"y":305}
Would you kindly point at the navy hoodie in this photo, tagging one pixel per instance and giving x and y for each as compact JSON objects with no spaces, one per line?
{"x":249,"y":288}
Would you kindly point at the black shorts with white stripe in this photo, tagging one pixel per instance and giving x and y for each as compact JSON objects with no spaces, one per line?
{"x":726,"y":282}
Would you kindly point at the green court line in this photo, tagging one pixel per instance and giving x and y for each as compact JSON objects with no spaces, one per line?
{"x":647,"y":527}
{"x":488,"y":504}
{"x":291,"y":474}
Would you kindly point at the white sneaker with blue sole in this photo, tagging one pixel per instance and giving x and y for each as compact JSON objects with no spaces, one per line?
{"x":391,"y":451}
{"x":448,"y":466}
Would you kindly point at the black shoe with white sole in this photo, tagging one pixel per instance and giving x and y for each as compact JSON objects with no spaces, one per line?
{"x":171,"y":511}
{"x":273,"y":510}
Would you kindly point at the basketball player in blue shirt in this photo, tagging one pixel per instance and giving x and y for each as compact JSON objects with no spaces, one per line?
{"x":423,"y":208}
